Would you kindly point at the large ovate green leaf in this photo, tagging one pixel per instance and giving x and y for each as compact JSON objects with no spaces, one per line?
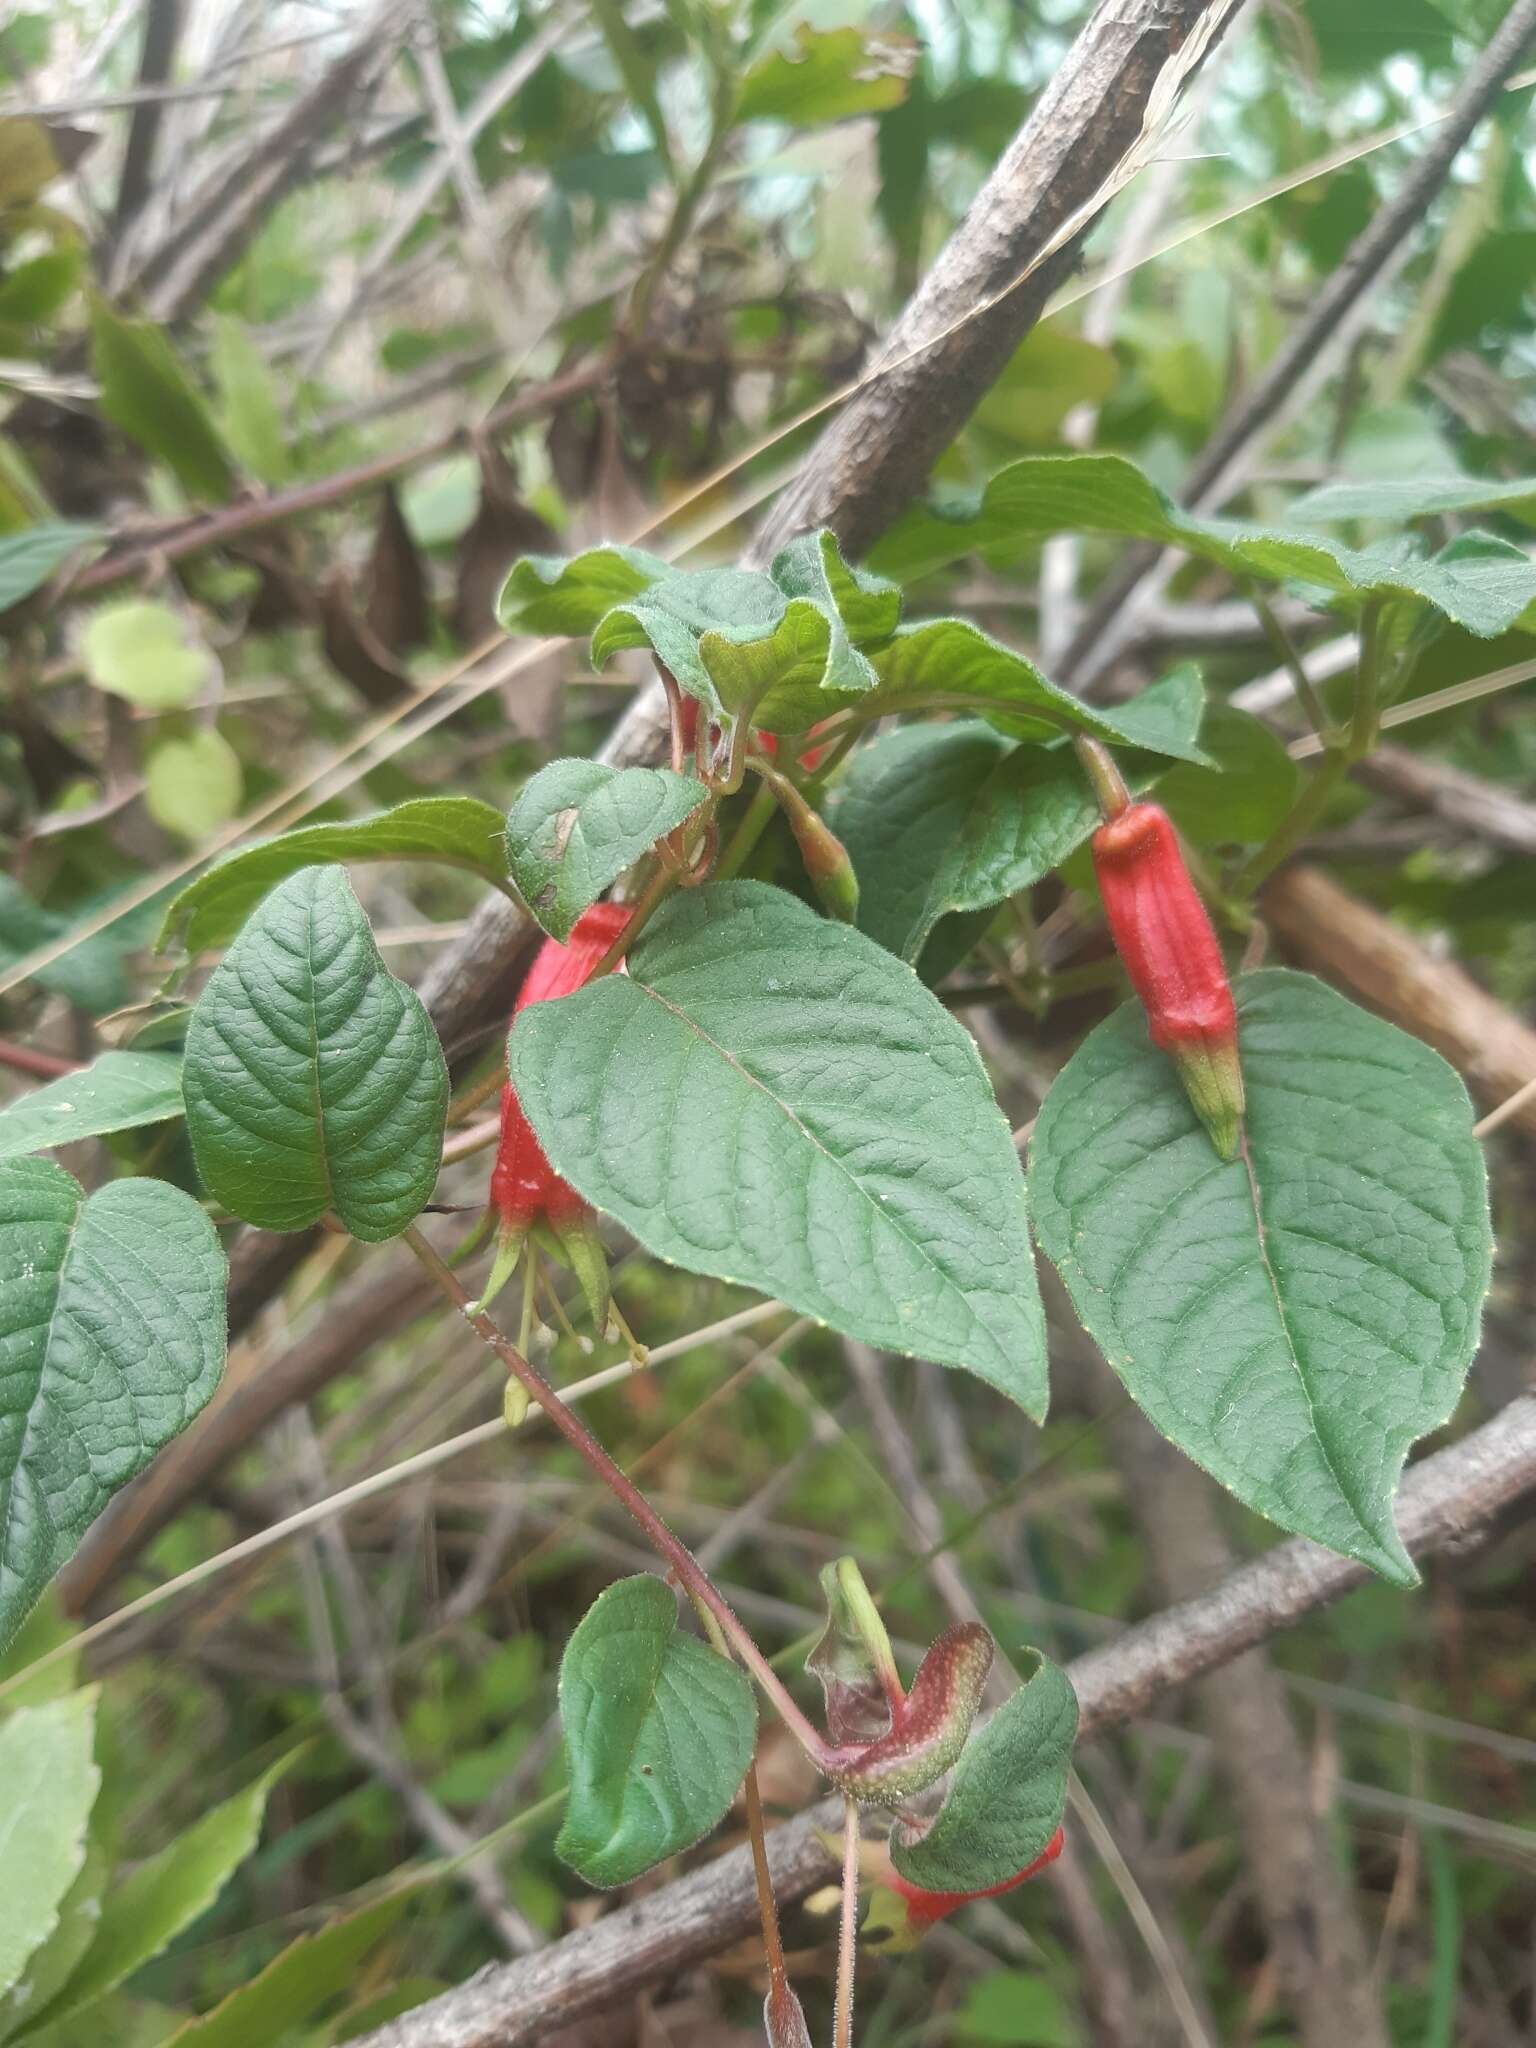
{"x":577,"y":825}
{"x":116,"y":1092}
{"x":943,"y":818}
{"x":29,"y":558}
{"x":769,"y":1097}
{"x":1040,"y":495}
{"x":48,"y":1784}
{"x":112,"y":1334}
{"x":456,"y":831}
{"x":659,"y":1730}
{"x":164,"y":1894}
{"x":1293,"y":1319}
{"x":1006,"y":1798}
{"x":949,"y":664}
{"x":313,"y":1079}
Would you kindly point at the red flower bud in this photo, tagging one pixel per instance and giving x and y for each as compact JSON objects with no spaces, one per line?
{"x":525,"y":1189}
{"x":1164,"y":936}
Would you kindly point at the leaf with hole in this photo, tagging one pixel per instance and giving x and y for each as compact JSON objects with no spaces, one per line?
{"x":659,"y":1731}
{"x":832,"y":75}
{"x":112,"y":1326}
{"x":48,"y":1785}
{"x":577,"y":825}
{"x":1040,"y":495}
{"x":116,"y":1092}
{"x":769,"y":1097}
{"x":1006,"y":1798}
{"x":314,"y":1081}
{"x":953,"y":818}
{"x":1295,"y":1319}
{"x":457,"y":831}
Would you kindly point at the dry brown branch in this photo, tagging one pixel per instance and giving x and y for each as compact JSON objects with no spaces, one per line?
{"x":1333,"y":932}
{"x":1484,"y":809}
{"x":1447,"y":1502}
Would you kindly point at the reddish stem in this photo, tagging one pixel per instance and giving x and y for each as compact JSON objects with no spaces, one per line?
{"x":47,"y":1066}
{"x":695,"y":1581}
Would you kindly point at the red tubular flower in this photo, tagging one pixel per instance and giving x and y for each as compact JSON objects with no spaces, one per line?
{"x":1164,"y":936}
{"x":526,"y":1191}
{"x":924,"y":1908}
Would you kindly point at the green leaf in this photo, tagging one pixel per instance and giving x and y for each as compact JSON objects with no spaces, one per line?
{"x":52,"y":1965}
{"x":1361,"y":37}
{"x":567,"y":596}
{"x":458,"y":831}
{"x":116,"y":1092}
{"x":1006,"y":1797}
{"x":1295,"y":1321}
{"x":949,"y":663}
{"x":192,"y":786}
{"x":29,"y":558}
{"x":769,"y":1097}
{"x":145,"y":390}
{"x":91,"y":974}
{"x":48,"y":1785}
{"x":577,"y":825}
{"x":112,"y":1326}
{"x":166,"y":1893}
{"x":140,"y":650}
{"x":299,"y":1982}
{"x":1050,"y":371}
{"x":249,"y":411}
{"x":1245,"y":795}
{"x":1012,"y":2009}
{"x":812,"y":566}
{"x":742,"y":645}
{"x":314,"y":1081}
{"x":659,"y":1730}
{"x":942,"y":818}
{"x":1400,"y":499}
{"x":1045,"y":494}
{"x":834,"y":74}
{"x":41,"y":1640}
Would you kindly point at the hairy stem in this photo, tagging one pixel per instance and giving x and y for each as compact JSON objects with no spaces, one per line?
{"x":847,"y":1929}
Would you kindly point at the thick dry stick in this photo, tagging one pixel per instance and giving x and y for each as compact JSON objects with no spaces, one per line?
{"x":162,"y":28}
{"x":878,"y":452}
{"x":222,"y":220}
{"x":1309,"y":349}
{"x":1327,"y":929}
{"x":1446,"y":1502}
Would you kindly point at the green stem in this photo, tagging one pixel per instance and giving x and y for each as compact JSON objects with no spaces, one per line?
{"x":695,"y":1581}
{"x":1285,"y":647}
{"x":750,"y":827}
{"x":1104,"y":778}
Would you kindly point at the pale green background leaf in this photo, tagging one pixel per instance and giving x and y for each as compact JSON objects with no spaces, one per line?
{"x":192,"y":786}
{"x":116,"y":1092}
{"x":48,"y":1785}
{"x":141,"y":650}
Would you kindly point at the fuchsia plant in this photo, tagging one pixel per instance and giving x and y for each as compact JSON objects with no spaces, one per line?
{"x":735,"y":1048}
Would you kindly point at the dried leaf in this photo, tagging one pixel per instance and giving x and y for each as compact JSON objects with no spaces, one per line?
{"x":502,"y":529}
{"x":353,"y":650}
{"x":398,"y":610}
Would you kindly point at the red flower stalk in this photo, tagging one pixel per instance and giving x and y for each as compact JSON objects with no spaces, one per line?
{"x":527,"y":1194}
{"x":1164,"y":936}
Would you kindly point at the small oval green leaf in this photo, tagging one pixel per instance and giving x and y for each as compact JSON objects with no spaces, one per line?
{"x":314,"y":1081}
{"x":659,"y":1731}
